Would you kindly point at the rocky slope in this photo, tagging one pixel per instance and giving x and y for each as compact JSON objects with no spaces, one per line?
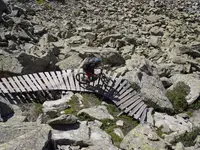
{"x":154,"y":44}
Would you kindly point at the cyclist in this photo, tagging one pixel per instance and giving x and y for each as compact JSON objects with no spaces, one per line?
{"x":89,"y":65}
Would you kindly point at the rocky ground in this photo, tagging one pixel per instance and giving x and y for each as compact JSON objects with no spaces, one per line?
{"x":154,"y":44}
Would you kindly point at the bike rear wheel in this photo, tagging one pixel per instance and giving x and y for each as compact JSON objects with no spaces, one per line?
{"x":81,"y":78}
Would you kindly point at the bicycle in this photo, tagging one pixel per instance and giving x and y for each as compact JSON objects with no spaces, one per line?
{"x":107,"y":82}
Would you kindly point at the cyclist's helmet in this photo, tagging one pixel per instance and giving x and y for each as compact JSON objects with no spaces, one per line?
{"x":97,"y":60}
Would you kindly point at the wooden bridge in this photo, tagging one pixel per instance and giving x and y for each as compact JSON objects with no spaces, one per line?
{"x":33,"y":87}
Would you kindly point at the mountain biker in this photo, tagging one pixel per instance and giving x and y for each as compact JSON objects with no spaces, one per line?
{"x":89,"y":65}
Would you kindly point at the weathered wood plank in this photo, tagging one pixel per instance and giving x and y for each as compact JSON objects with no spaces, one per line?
{"x":121,"y":85}
{"x":97,"y":71}
{"x":3,"y":88}
{"x":19,"y":84}
{"x":133,"y":105}
{"x":71,"y":80}
{"x":30,"y":83}
{"x":125,"y":98}
{"x":82,"y":89}
{"x":143,"y":117}
{"x":125,"y":88}
{"x":75,"y":81}
{"x":60,"y":78}
{"x":12,"y":82}
{"x":51,"y":80}
{"x":7,"y":84}
{"x":47,"y":83}
{"x":35,"y":82}
{"x":24,"y":83}
{"x":55,"y":78}
{"x":64,"y":74}
{"x":36,"y":76}
{"x":129,"y":102}
{"x":135,"y":109}
{"x":140,"y":111}
{"x":126,"y":93}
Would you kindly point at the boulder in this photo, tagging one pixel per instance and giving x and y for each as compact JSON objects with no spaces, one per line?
{"x":72,"y":62}
{"x":195,"y":118}
{"x":146,"y":77}
{"x":83,"y":135}
{"x":24,"y":136}
{"x":172,"y":123}
{"x":6,"y":110}
{"x":97,"y":112}
{"x":143,"y":137}
{"x":63,"y":119}
{"x":192,"y":80}
{"x":3,"y":8}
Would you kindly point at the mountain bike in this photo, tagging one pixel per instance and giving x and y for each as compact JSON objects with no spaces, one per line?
{"x":101,"y":78}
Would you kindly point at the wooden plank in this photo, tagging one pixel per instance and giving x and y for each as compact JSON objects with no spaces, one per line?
{"x":43,"y":86}
{"x":54,"y":86}
{"x":71,"y":80}
{"x":121,"y":85}
{"x":55,"y":78}
{"x":125,"y":88}
{"x":128,"y":103}
{"x":135,"y":109}
{"x":24,"y":83}
{"x":143,"y":117}
{"x":35,"y":82}
{"x":117,"y":83}
{"x":12,"y":82}
{"x":47,"y":83}
{"x":81,"y":87}
{"x":140,"y":111}
{"x":60,"y":78}
{"x":97,"y":71}
{"x":28,"y":80}
{"x":19,"y":84}
{"x":132,"y":106}
{"x":3,"y":88}
{"x":76,"y":82}
{"x":126,"y":98}
{"x":8,"y":86}
{"x":126,"y":93}
{"x":64,"y":74}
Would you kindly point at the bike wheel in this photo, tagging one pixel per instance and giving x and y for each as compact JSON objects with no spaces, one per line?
{"x":80,"y":77}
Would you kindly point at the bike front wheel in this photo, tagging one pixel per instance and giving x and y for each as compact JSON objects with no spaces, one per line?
{"x":82,"y":78}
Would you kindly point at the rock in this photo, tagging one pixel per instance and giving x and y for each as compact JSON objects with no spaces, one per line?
{"x":25,"y":136}
{"x":179,"y":146}
{"x":154,"y":41}
{"x":146,"y":77}
{"x":51,"y":109}
{"x":173,"y":123}
{"x":85,"y":28}
{"x":119,"y":132}
{"x":90,"y":36}
{"x":166,"y":82}
{"x":195,"y":118}
{"x":72,"y":62}
{"x":82,"y":135}
{"x":6,"y":110}
{"x":156,"y":31}
{"x":112,"y":57}
{"x":192,"y":81}
{"x":46,"y":38}
{"x":63,"y":119}
{"x":150,"y":119}
{"x":97,"y":112}
{"x":38,"y":29}
{"x":113,"y":36}
{"x":3,"y":8}
{"x":120,"y":123}
{"x":152,"y":18}
{"x":143,"y":137}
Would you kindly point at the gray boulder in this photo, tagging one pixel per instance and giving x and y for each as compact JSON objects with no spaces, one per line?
{"x":97,"y":112}
{"x":83,"y":135}
{"x":63,"y":119}
{"x":24,"y":136}
{"x":146,"y":77}
{"x":3,"y":8}
{"x":143,"y":137}
{"x":192,"y":81}
{"x":6,"y":110}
